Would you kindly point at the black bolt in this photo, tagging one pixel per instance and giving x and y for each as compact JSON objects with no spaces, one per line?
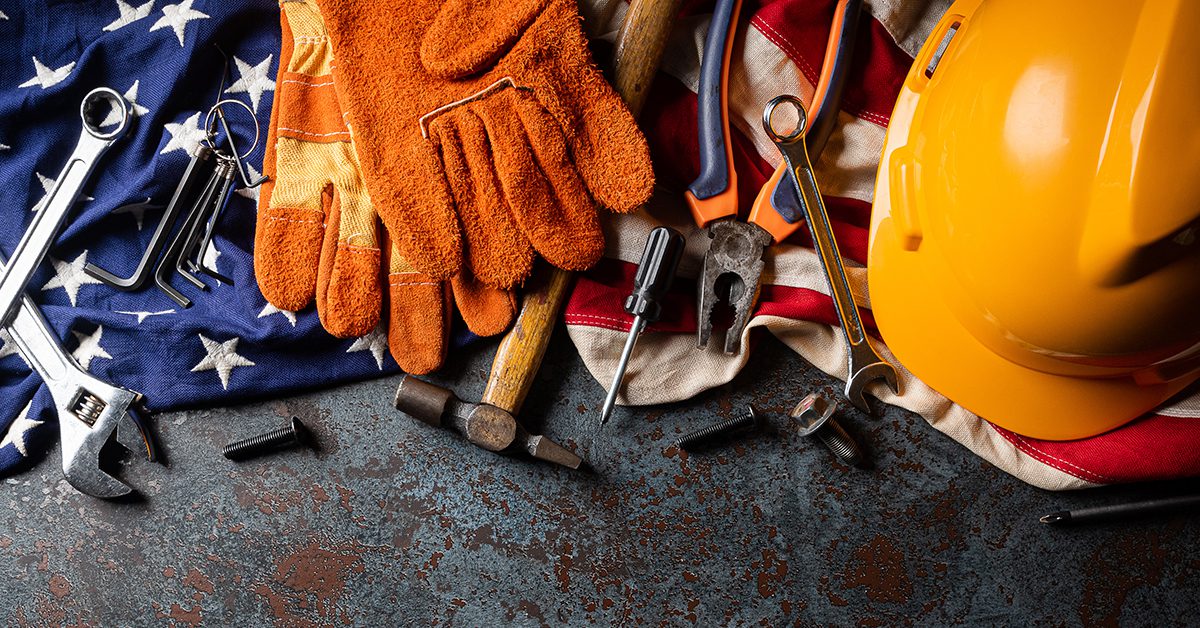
{"x":723,"y":428}
{"x":294,"y":433}
{"x":817,"y":420}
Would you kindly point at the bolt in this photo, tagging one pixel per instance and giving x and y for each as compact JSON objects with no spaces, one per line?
{"x":294,"y":433}
{"x":817,"y":420}
{"x":723,"y":428}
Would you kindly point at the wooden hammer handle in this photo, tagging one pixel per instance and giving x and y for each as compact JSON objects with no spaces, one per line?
{"x":640,"y":46}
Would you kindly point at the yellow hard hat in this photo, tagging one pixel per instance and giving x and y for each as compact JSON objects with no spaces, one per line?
{"x":1033,"y":251}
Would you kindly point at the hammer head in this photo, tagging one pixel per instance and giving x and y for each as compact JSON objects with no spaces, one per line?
{"x":485,"y":425}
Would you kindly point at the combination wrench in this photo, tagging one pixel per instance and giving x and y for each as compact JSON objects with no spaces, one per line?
{"x":89,"y":410}
{"x":48,"y":221}
{"x":865,"y":363}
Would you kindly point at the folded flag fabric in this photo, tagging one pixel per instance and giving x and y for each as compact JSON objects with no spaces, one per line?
{"x":779,"y":49}
{"x":166,"y":58}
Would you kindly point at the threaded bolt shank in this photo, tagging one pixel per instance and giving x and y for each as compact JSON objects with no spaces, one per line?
{"x":839,"y":441}
{"x":294,"y":433}
{"x":723,"y":428}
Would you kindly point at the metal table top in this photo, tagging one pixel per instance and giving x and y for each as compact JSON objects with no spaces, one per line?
{"x":394,"y":522}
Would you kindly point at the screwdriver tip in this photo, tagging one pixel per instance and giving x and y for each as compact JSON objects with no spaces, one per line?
{"x":1055,"y":518}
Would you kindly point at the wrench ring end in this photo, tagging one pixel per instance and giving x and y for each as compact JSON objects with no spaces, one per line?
{"x":119,"y":104}
{"x":769,"y":114}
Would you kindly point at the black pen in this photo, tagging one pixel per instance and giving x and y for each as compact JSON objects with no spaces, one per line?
{"x":1122,"y":511}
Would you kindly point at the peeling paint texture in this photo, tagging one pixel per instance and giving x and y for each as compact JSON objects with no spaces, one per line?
{"x":393,"y":522}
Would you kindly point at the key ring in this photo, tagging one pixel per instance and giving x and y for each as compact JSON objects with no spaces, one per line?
{"x":215,"y":114}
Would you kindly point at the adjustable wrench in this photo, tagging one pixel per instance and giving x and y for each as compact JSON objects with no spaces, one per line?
{"x":865,"y":363}
{"x":39,"y":237}
{"x":88,"y":409}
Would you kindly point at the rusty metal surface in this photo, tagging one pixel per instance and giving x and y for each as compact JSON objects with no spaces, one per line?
{"x":393,"y":522}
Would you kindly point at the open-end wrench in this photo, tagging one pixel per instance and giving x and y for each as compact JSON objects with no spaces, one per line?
{"x":39,"y":237}
{"x":89,"y":410}
{"x":865,"y":363}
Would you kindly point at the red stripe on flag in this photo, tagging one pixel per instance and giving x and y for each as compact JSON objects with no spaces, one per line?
{"x":599,"y":297}
{"x":1152,"y":448}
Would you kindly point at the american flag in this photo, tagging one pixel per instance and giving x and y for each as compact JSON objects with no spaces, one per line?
{"x":232,"y":346}
{"x":163,"y":56}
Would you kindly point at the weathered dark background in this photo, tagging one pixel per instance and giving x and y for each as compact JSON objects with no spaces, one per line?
{"x":393,"y":522}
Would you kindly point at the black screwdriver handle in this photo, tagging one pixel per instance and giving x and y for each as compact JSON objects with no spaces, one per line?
{"x":655,"y":272}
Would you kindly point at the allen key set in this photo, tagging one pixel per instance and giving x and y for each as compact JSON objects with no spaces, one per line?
{"x":192,"y":214}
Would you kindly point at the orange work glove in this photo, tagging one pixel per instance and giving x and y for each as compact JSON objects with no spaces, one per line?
{"x":522,"y":131}
{"x":318,"y":235}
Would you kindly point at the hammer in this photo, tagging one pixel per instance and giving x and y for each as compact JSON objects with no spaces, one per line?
{"x":483,"y":424}
{"x":492,"y":423}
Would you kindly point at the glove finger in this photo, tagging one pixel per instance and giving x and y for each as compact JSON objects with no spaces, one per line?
{"x":608,"y":149}
{"x":287,"y":241}
{"x":496,"y":251}
{"x":486,"y":310}
{"x":469,"y":36}
{"x":349,"y":291}
{"x":418,"y":311}
{"x":414,"y":201}
{"x":542,"y":187}
{"x":293,"y":204}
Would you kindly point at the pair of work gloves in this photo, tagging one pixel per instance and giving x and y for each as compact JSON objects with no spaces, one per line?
{"x":437,"y":147}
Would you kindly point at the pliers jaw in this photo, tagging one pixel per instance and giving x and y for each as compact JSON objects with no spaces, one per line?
{"x":732,"y":272}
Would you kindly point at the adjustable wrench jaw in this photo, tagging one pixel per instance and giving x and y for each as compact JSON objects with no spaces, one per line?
{"x":81,"y":442}
{"x":89,"y":410}
{"x":734,"y":261}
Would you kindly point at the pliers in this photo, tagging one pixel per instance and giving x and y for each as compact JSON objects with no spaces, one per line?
{"x":733,"y":265}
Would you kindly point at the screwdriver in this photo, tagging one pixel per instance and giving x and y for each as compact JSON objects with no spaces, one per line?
{"x":664,"y":247}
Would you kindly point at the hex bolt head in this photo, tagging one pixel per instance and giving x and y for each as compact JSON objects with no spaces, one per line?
{"x":815,"y":415}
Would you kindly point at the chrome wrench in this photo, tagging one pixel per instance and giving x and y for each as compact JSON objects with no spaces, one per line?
{"x":89,"y":410}
{"x":865,"y":363}
{"x":40,"y":236}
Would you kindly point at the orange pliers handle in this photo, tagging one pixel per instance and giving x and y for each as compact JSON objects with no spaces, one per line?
{"x":776,"y":208}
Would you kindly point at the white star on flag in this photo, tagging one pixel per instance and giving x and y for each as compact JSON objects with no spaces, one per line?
{"x":210,"y":259}
{"x":271,"y":309}
{"x":48,"y":184}
{"x":177,"y":16}
{"x":222,"y":357}
{"x":253,"y":80}
{"x":185,"y":136}
{"x":5,"y":147}
{"x":70,"y":276}
{"x":375,"y":342}
{"x":45,"y":77}
{"x":18,"y":432}
{"x":138,"y":211}
{"x":89,"y":347}
{"x":142,"y":316}
{"x":114,"y":114}
{"x":250,"y":193}
{"x":3,"y":16}
{"x":7,"y":346}
{"x":129,"y":14}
